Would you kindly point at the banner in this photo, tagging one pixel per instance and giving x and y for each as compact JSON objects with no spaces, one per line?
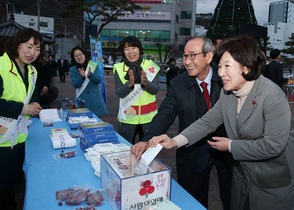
{"x":96,"y":56}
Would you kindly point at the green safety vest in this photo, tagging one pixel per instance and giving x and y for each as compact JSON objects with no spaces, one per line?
{"x":145,"y":107}
{"x":13,"y":88}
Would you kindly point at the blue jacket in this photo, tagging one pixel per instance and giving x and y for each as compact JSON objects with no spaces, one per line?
{"x":92,"y":93}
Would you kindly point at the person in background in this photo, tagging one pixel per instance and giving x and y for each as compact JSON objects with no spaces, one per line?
{"x":256,"y":115}
{"x":18,"y":100}
{"x":274,"y":70}
{"x":216,"y":40}
{"x":136,"y":83}
{"x":52,"y":68}
{"x":63,"y":66}
{"x":47,"y":92}
{"x":87,"y":83}
{"x":185,"y":99}
{"x":172,"y":71}
{"x":43,"y":82}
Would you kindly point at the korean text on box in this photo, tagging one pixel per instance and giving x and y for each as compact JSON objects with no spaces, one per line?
{"x":127,"y":188}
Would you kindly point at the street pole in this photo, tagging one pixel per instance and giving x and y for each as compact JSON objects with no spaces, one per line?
{"x":39,"y":15}
{"x":193,"y":26}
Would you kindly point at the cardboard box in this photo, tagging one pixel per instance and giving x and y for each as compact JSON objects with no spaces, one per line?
{"x":87,"y":128}
{"x":86,"y":143}
{"x":128,"y":184}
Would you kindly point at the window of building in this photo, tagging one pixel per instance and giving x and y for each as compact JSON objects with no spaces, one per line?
{"x":124,"y":33}
{"x":185,"y":31}
{"x":177,"y":19}
{"x":167,"y":1}
{"x":181,"y":47}
{"x":143,"y":35}
{"x":186,"y":14}
{"x":105,"y":33}
{"x":115,"y":33}
{"x":152,"y":1}
{"x":44,"y":24}
{"x":31,"y":24}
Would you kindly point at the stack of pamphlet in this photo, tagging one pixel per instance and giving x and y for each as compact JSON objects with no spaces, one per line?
{"x":78,"y":116}
{"x":96,"y":133}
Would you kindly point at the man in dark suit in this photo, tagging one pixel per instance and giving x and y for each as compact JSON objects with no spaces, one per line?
{"x":52,"y":67}
{"x":63,"y":67}
{"x":185,"y":99}
{"x":172,"y":71}
{"x":274,"y":69}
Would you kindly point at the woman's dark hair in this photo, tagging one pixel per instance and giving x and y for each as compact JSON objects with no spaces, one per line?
{"x":72,"y":54}
{"x":4,"y":43}
{"x":23,"y":36}
{"x":244,"y":49}
{"x":130,"y":41}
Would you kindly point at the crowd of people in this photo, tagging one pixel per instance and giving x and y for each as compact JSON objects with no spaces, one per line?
{"x":232,"y":112}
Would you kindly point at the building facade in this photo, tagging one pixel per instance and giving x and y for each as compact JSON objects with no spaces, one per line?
{"x":281,"y":11}
{"x":160,"y":23}
{"x":45,"y":27}
{"x":62,"y":44}
{"x":280,"y":24}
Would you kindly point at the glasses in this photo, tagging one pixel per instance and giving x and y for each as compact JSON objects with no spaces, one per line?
{"x":78,"y":55}
{"x":191,"y":56}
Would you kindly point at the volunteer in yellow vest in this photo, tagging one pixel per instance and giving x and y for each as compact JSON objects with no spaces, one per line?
{"x":18,"y":101}
{"x":136,"y":83}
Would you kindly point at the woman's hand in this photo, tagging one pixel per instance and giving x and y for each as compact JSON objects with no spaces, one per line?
{"x":32,"y":109}
{"x":89,"y":73}
{"x":143,"y":78}
{"x":131,"y":81}
{"x":164,"y":140}
{"x":220,"y":143}
{"x":44,"y":91}
{"x":81,"y":72}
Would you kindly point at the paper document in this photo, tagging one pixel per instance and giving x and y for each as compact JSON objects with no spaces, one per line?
{"x":150,"y":154}
{"x":49,"y":115}
{"x":90,"y":67}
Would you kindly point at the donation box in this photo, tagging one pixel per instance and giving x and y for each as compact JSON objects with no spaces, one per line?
{"x":128,"y":184}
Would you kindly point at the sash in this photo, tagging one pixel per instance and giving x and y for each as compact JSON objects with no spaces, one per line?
{"x":126,"y":102}
{"x":10,"y":128}
{"x":91,"y":66}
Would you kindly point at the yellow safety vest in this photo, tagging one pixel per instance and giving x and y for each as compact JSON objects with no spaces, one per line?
{"x":13,"y":88}
{"x":145,"y":107}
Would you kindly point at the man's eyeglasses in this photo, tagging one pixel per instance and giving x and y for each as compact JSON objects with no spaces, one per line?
{"x":191,"y":56}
